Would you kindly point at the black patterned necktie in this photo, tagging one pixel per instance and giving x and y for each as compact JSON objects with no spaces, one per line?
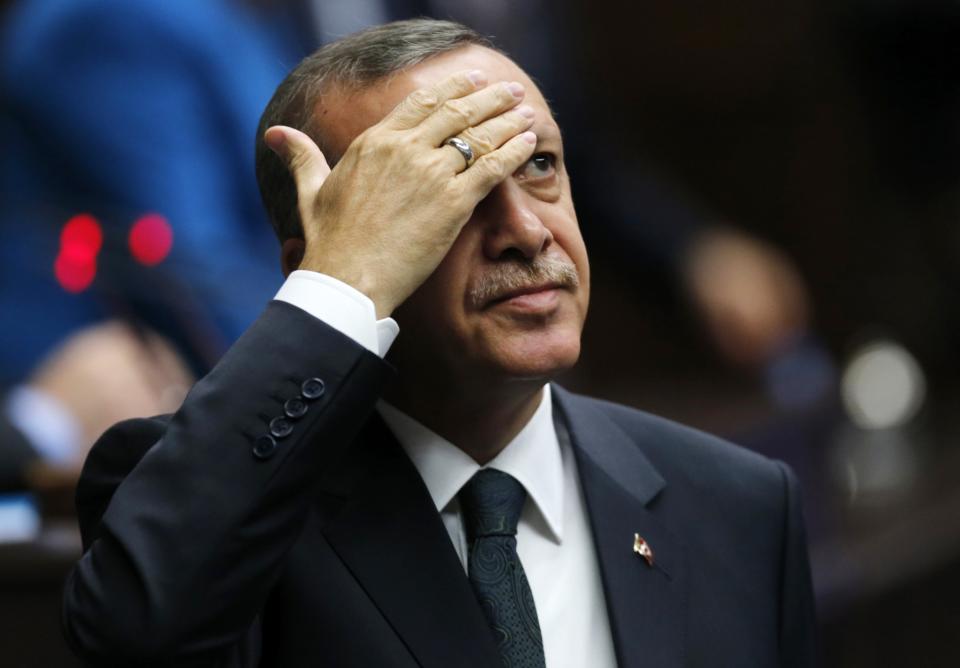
{"x":491,"y":503}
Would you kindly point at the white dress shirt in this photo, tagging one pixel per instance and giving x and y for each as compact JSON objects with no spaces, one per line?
{"x":553,"y":536}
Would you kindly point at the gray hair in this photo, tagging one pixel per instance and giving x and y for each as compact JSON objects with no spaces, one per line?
{"x":355,"y":62}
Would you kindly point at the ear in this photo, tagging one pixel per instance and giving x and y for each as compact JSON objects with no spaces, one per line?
{"x":291,"y":255}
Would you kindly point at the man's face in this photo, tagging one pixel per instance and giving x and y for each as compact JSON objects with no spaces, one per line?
{"x":468,"y":322}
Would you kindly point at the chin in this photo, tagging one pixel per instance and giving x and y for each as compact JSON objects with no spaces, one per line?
{"x":537,"y":357}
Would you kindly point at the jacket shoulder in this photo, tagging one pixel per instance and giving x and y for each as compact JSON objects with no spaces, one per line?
{"x":703,"y":462}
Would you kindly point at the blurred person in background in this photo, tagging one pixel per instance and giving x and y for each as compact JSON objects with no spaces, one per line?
{"x":126,"y":128}
{"x":102,"y":373}
{"x":126,"y":111}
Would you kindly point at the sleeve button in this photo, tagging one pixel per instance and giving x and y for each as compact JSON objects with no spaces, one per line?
{"x":281,"y":427}
{"x":295,"y":408}
{"x":264,"y":447}
{"x":312,"y":388}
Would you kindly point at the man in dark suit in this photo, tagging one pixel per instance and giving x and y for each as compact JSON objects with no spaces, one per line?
{"x":310,"y":504}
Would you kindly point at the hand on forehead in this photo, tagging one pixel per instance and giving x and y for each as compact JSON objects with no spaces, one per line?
{"x":496,"y":66}
{"x":345,"y":114}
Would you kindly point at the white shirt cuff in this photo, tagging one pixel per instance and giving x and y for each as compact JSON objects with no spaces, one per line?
{"x":341,"y":306}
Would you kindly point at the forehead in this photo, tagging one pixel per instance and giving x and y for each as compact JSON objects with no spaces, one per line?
{"x":344,"y":115}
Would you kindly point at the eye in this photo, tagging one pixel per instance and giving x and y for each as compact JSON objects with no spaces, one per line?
{"x":540,"y":166}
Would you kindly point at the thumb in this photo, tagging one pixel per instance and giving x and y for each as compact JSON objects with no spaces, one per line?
{"x":306,"y":162}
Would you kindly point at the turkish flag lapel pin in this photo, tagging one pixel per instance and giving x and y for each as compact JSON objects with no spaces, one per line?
{"x":642,"y":548}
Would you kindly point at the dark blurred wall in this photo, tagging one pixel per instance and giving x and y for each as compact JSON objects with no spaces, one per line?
{"x":828,"y":127}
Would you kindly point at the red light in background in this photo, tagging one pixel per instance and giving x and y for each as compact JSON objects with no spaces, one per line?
{"x":74,"y":272}
{"x":151,"y":239}
{"x":81,"y":234}
{"x":76,"y":263}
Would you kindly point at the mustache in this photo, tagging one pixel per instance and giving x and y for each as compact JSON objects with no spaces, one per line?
{"x":516,"y":275}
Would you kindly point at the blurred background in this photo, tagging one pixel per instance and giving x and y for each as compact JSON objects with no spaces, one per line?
{"x":770,"y":193}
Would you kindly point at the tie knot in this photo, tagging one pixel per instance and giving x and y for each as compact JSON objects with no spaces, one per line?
{"x":492,"y":502}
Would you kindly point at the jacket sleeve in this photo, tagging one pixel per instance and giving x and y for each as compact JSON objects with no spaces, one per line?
{"x":181,"y":553}
{"x":797,"y":609}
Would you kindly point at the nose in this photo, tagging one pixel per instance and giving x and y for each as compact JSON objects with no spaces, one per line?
{"x":510,"y":225}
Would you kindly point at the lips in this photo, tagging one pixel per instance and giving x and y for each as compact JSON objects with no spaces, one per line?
{"x":522,"y":292}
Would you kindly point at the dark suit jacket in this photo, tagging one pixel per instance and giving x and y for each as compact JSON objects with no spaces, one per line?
{"x":328,"y":551}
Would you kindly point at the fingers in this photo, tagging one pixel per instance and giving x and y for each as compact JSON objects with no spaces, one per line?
{"x":461,"y":105}
{"x":491,"y":134}
{"x":496,"y":166}
{"x":457,"y":114}
{"x":303,"y":159}
{"x":421,"y":103}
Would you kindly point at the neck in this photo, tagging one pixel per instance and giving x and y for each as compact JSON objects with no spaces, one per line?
{"x":480,"y":424}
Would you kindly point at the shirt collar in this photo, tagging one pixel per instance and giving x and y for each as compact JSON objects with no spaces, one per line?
{"x":533,"y":457}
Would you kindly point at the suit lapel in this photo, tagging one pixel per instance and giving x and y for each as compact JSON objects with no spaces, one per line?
{"x":390,"y":536}
{"x":646,"y":604}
